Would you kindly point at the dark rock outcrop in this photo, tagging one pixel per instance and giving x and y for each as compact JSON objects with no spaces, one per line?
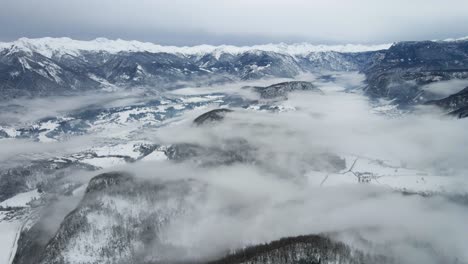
{"x":460,"y":113}
{"x":212,"y":116}
{"x":311,"y":249}
{"x":231,"y":151}
{"x":281,"y":90}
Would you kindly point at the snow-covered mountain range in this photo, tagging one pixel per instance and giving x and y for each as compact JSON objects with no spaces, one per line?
{"x":50,"y":47}
{"x":52,"y":66}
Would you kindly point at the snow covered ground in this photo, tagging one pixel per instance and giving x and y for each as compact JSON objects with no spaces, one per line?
{"x":9,"y":234}
{"x":13,"y":221}
{"x":21,"y":200}
{"x":155,"y":156}
{"x":383,"y":173}
{"x":104,"y":162}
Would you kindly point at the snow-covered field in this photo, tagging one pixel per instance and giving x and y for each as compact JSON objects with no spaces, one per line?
{"x":379,"y":173}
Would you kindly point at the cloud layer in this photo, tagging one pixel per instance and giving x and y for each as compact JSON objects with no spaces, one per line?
{"x":272,"y":198}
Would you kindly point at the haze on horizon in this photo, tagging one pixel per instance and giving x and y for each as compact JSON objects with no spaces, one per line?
{"x":240,"y":22}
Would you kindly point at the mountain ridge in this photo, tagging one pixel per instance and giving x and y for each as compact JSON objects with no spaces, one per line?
{"x":48,"y":46}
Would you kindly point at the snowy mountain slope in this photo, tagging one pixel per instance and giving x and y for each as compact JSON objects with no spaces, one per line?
{"x":24,"y":73}
{"x":401,"y":72}
{"x":10,"y":232}
{"x":107,"y":227}
{"x":455,"y":104}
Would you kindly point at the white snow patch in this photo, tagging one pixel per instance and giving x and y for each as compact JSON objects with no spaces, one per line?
{"x":456,"y":39}
{"x":9,"y":231}
{"x":104,"y":162}
{"x":10,"y":131}
{"x":14,"y":74}
{"x":46,"y":127}
{"x":24,"y":63}
{"x":155,"y":156}
{"x":22,"y":199}
{"x":127,"y":149}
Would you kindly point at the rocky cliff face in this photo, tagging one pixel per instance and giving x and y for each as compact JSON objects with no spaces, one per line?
{"x":281,"y":90}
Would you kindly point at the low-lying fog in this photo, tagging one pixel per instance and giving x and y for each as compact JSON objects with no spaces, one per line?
{"x":272,"y":201}
{"x":270,"y":198}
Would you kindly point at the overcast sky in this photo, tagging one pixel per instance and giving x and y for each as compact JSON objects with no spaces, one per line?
{"x":238,"y":22}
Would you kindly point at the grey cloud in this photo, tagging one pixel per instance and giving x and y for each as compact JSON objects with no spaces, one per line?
{"x":236,"y":22}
